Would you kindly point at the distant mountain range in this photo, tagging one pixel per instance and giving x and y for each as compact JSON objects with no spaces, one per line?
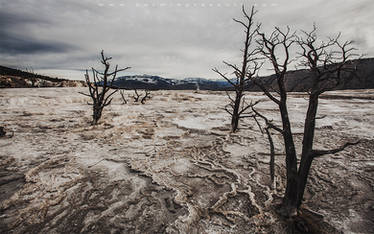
{"x":157,"y":82}
{"x":295,"y":80}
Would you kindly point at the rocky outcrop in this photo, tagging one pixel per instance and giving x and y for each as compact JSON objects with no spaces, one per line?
{"x":7,"y":81}
{"x":15,"y":78}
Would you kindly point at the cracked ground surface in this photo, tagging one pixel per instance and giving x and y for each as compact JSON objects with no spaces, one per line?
{"x":172,"y":165}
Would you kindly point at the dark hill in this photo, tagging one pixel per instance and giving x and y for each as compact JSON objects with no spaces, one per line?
{"x":15,"y":78}
{"x":298,"y":80}
{"x":295,"y":80}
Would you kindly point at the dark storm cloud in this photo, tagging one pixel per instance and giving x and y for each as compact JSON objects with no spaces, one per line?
{"x":16,"y":45}
{"x":173,"y":38}
{"x":9,"y":19}
{"x":13,"y":41}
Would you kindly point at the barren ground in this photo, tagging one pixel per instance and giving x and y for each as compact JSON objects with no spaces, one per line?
{"x":172,"y":166}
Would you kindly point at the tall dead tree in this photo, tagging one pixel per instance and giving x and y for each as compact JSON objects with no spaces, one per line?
{"x":249,"y":68}
{"x":99,"y":88}
{"x":329,"y":67}
{"x":326,"y":66}
{"x":280,"y":42}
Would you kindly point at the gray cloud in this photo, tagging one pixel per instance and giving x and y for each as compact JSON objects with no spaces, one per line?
{"x":11,"y":44}
{"x":173,"y":38}
{"x":10,"y":19}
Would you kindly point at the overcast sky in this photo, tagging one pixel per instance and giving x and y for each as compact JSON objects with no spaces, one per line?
{"x":170,"y":38}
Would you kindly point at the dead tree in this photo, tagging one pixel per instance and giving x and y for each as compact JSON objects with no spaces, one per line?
{"x":124,"y":100}
{"x":31,"y":76}
{"x":99,"y":88}
{"x":141,"y":97}
{"x":326,"y":66}
{"x":136,"y":96}
{"x":146,"y":96}
{"x":280,"y":42}
{"x":250,"y":66}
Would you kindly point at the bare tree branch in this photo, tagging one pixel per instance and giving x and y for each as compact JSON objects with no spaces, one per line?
{"x":319,"y":153}
{"x":267,"y":121}
{"x":146,"y":96}
{"x":137,"y":96}
{"x":224,"y":76}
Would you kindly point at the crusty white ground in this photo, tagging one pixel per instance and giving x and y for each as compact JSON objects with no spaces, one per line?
{"x":172,"y":165}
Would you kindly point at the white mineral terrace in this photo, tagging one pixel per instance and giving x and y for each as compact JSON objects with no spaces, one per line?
{"x":172,"y":165}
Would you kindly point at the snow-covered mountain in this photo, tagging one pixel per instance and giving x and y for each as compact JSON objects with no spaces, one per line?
{"x":157,"y":82}
{"x":296,"y":80}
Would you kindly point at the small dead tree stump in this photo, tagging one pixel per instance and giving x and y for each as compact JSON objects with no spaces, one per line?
{"x":2,"y":132}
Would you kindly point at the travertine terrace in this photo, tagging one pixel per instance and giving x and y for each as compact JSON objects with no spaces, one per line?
{"x":172,"y":165}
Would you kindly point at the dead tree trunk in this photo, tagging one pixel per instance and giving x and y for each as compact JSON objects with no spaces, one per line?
{"x":326,"y":70}
{"x":235,"y":111}
{"x":268,"y":126}
{"x":250,"y":66}
{"x":327,"y":63}
{"x":308,"y":137}
{"x":272,"y":154}
{"x":281,"y":41}
{"x":2,"y":132}
{"x":100,"y":86}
